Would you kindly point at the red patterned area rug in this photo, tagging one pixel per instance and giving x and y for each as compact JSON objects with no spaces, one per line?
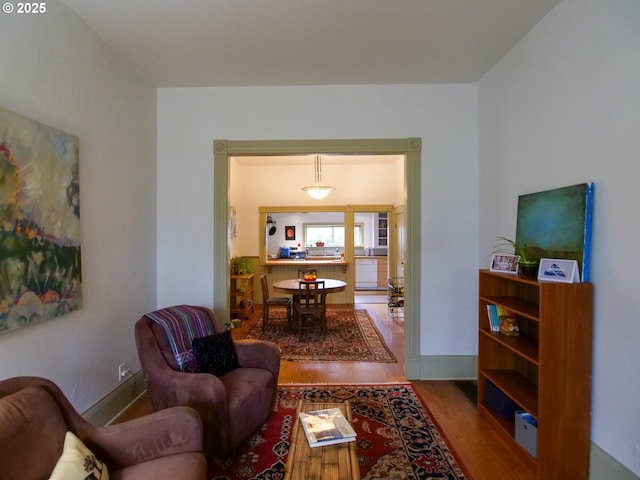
{"x":396,"y":436}
{"x":351,"y":336}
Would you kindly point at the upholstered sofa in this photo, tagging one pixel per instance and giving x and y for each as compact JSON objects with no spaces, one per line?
{"x":35,"y":417}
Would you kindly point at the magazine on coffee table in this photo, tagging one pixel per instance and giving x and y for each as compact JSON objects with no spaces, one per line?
{"x":326,"y":427}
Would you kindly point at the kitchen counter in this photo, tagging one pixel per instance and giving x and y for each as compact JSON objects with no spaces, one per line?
{"x":305,"y":263}
{"x":302,"y":261}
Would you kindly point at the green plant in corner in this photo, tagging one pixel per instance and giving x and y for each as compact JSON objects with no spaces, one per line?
{"x":240,"y":266}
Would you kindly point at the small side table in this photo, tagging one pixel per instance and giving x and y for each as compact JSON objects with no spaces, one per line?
{"x":339,"y":461}
{"x":242,"y":295}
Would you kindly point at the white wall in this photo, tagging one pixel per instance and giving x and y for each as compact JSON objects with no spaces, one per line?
{"x":563,"y":107}
{"x":56,"y":71}
{"x":444,"y":116}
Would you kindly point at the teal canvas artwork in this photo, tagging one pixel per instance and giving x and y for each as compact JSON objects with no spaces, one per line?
{"x":40,"y":268}
{"x":557,"y":224}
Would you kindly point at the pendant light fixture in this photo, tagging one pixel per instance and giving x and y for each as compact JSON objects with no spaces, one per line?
{"x":318,"y":190}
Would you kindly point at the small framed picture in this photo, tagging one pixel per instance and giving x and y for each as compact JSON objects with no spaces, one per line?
{"x":558,"y":270}
{"x":504,"y":263}
{"x":289,"y":232}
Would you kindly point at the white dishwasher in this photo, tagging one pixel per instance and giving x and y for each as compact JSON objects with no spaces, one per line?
{"x":366,"y":273}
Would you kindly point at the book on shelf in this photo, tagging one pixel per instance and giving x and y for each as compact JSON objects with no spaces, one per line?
{"x":494,"y":320}
{"x":502,"y":320}
{"x":326,"y":427}
{"x":507,"y":321}
{"x":500,"y":310}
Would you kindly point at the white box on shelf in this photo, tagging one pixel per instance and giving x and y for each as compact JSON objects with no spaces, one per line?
{"x":527,"y":432}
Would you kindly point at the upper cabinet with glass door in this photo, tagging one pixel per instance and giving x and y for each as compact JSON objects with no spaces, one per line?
{"x":383,"y":229}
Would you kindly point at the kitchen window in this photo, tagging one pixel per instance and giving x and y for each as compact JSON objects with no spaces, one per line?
{"x":331,"y":234}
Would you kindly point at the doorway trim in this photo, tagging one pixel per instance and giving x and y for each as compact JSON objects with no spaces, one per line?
{"x":411,"y":148}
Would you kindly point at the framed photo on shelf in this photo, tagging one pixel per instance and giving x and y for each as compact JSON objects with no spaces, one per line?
{"x":290,"y":232}
{"x":558,"y":270}
{"x":504,"y":263}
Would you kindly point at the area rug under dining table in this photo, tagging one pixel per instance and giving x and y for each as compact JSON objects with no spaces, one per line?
{"x":351,"y":336}
{"x":397,"y":438}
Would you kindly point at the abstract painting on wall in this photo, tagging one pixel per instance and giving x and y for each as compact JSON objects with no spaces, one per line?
{"x":557,"y":224}
{"x":40,"y":270}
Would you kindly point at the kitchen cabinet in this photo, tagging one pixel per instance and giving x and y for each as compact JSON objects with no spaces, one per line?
{"x":382,"y":272}
{"x":383,"y":229}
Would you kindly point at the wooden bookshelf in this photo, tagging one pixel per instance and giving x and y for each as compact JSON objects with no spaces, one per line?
{"x":546,"y":370}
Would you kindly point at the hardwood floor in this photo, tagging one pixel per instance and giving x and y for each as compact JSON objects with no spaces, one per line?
{"x":483,"y":454}
{"x":351,"y":372}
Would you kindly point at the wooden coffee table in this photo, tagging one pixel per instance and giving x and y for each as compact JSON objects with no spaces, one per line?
{"x":333,"y":462}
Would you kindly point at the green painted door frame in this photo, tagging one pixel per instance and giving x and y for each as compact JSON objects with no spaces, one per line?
{"x":411,"y":148}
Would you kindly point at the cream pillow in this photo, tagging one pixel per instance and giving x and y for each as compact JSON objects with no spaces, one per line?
{"x":78,"y":462}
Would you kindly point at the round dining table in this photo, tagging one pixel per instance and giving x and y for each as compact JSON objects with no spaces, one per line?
{"x":292,"y":286}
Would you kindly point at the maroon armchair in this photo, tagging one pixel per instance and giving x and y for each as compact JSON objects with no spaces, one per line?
{"x":35,"y":416}
{"x":232,"y":406}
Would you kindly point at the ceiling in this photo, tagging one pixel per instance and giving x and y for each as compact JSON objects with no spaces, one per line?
{"x":199,"y":43}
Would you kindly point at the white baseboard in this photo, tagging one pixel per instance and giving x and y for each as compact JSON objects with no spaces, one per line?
{"x":604,"y":467}
{"x":103,"y":412}
{"x":448,"y":367}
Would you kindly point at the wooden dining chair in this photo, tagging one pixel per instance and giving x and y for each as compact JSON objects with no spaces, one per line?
{"x":312,"y":304}
{"x":268,"y":302}
{"x":302,"y":271}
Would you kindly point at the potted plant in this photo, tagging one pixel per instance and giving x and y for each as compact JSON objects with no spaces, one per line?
{"x":240,"y":266}
{"x":528,"y":267}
